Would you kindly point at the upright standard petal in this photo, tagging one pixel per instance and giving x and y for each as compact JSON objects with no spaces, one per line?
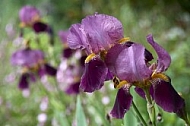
{"x":27,"y":57}
{"x":77,"y":38}
{"x":127,"y":61}
{"x":122,"y":103}
{"x":94,"y":75}
{"x":29,"y":14}
{"x":167,"y":97}
{"x":164,"y":58}
{"x":103,"y":31}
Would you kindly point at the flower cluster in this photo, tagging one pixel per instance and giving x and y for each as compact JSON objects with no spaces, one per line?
{"x":32,"y":61}
{"x":127,"y":63}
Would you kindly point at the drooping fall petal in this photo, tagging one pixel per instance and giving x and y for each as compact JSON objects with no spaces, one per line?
{"x":94,"y":75}
{"x":23,"y":82}
{"x":166,"y":97}
{"x":122,"y":103}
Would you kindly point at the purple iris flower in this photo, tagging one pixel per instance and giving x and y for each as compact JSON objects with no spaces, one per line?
{"x":30,"y":17}
{"x":129,"y":62}
{"x":95,"y":34}
{"x":32,"y":63}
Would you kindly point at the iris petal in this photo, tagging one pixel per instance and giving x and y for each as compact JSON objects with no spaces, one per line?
{"x":27,"y":57}
{"x":103,"y":30}
{"x":122,"y":103}
{"x":73,"y":88}
{"x":127,"y":62}
{"x":29,"y":14}
{"x":23,"y":82}
{"x":77,"y":37}
{"x":141,"y":93}
{"x":164,"y":58}
{"x":50,"y":70}
{"x":167,"y":97}
{"x":94,"y":75}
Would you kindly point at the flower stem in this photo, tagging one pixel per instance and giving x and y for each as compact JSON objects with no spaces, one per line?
{"x":139,"y":114}
{"x":150,"y":107}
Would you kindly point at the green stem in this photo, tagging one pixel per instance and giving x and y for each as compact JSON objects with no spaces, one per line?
{"x":150,"y":107}
{"x":139,"y":114}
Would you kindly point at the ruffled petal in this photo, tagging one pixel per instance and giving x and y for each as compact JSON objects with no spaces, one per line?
{"x":164,"y":58}
{"x":127,"y":62}
{"x":103,"y":31}
{"x":166,"y":97}
{"x":122,"y":103}
{"x":94,"y":75}
{"x":77,"y":37}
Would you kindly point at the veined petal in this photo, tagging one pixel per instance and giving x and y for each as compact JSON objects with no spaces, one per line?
{"x":122,"y":103}
{"x":103,"y":30}
{"x":94,"y":75}
{"x":167,"y":97}
{"x":127,"y":62}
{"x":164,"y":58}
{"x":77,"y":38}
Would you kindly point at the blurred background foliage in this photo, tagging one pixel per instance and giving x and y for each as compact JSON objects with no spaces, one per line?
{"x":168,"y":21}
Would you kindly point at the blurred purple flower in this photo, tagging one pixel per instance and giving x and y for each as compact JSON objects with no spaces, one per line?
{"x":32,"y":63}
{"x":66,"y":52}
{"x":69,"y":73}
{"x":28,"y":15}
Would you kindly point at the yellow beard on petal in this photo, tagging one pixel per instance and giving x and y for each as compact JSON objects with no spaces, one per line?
{"x":91,"y":56}
{"x":123,"y":40}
